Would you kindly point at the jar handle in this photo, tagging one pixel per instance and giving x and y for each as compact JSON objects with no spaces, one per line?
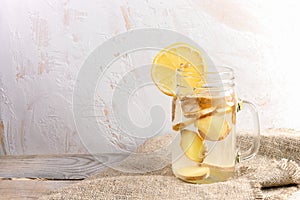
{"x":252,"y":151}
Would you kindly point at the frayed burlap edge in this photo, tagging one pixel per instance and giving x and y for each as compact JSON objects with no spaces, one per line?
{"x":258,"y":194}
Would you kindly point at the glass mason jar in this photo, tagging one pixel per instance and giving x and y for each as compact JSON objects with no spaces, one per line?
{"x":204,"y":116}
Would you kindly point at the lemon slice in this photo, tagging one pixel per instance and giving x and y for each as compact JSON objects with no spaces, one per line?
{"x":178,"y":56}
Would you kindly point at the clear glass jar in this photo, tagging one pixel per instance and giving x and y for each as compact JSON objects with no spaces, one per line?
{"x":204,"y":116}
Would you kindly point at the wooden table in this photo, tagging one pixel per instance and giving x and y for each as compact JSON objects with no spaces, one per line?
{"x":29,"y":189}
{"x":28,"y":177}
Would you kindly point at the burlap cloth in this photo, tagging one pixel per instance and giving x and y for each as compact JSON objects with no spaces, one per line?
{"x":273,"y":174}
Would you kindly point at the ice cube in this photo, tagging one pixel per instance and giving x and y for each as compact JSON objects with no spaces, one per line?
{"x":190,"y":107}
{"x":230,"y":99}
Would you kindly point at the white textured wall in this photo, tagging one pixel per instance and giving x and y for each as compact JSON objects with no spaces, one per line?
{"x":43,"y":44}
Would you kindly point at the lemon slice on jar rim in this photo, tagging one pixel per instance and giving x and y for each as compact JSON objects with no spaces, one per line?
{"x":185,"y":57}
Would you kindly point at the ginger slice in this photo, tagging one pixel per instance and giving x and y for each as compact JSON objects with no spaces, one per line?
{"x":193,"y":173}
{"x":183,"y":125}
{"x":224,"y":110}
{"x":207,"y":111}
{"x":213,"y":127}
{"x":192,"y":145}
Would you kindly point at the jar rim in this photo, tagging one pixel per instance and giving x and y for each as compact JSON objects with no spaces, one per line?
{"x":219,"y":70}
{"x":221,"y":79}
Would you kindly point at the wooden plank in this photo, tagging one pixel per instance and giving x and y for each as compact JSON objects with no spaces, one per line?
{"x":2,"y":143}
{"x":29,"y":189}
{"x":78,"y":166}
